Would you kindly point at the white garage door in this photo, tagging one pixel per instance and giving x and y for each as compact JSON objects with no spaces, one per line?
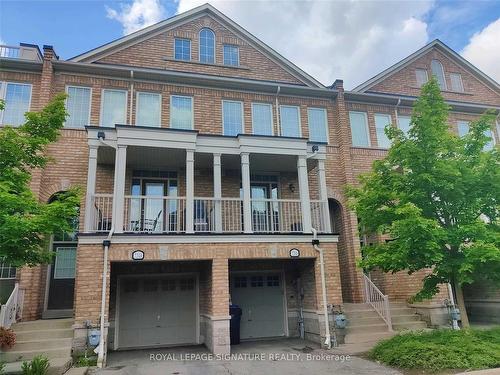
{"x":261,"y":298}
{"x":157,"y":311}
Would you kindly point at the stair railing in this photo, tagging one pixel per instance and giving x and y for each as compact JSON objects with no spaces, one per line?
{"x":378,"y":300}
{"x":9,"y":311}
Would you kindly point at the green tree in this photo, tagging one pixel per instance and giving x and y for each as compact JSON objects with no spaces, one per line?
{"x":25,"y":223}
{"x":437,"y":196}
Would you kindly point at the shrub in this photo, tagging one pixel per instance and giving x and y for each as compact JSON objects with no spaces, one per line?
{"x":2,"y":368}
{"x":83,"y":361}
{"x":7,"y":338}
{"x":39,"y":365}
{"x":441,"y":350}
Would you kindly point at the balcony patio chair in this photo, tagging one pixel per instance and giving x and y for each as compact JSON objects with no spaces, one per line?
{"x":149,"y":225}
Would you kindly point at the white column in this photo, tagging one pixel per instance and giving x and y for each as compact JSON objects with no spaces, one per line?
{"x":89,"y":199}
{"x":245,"y":184}
{"x":323,"y":196}
{"x":304,"y":193}
{"x":189,"y":191}
{"x":218,"y":193}
{"x":119,"y":188}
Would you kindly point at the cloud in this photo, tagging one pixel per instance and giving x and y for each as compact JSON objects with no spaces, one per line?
{"x":351,"y":40}
{"x":483,"y":50}
{"x":139,"y":14}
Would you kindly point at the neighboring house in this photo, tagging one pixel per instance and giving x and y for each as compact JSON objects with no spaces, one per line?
{"x":212,"y":156}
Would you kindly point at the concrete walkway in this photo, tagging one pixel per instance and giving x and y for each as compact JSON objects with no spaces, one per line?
{"x":285,"y":356}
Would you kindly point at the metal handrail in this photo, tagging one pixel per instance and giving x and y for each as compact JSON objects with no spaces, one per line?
{"x":378,"y":300}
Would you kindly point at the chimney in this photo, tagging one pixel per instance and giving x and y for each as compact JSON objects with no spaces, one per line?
{"x":49,"y":53}
{"x":338,"y":85}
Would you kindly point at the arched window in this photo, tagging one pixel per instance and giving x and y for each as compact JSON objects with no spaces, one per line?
{"x":438,"y":71}
{"x":207,"y":46}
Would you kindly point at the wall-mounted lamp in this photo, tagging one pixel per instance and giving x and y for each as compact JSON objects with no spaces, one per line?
{"x":101,"y":135}
{"x":292,"y":188}
{"x":315,"y":148}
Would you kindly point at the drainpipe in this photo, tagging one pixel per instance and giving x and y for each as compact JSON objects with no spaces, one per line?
{"x":278,"y":122}
{"x":315,"y":243}
{"x":131,"y":97}
{"x":106,"y":243}
{"x":396,"y":112}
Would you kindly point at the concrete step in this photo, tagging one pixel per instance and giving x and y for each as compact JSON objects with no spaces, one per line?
{"x":354,"y":338}
{"x":409,"y":325}
{"x":360,"y":328}
{"x":41,"y":344}
{"x":397,"y":311}
{"x":58,"y":333}
{"x":42,"y":325}
{"x":19,"y":355}
{"x":405,"y":318}
{"x":351,"y":307}
{"x":58,"y":366}
{"x":365,"y":320}
{"x":355,"y":315}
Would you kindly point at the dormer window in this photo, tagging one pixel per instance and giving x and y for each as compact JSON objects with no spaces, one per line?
{"x":456,"y":82}
{"x":207,"y":46}
{"x":182,"y":49}
{"x":421,"y":75}
{"x":438,"y":71}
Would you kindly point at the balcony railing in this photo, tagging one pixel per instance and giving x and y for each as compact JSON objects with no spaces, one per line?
{"x":20,"y":52}
{"x":167,"y":214}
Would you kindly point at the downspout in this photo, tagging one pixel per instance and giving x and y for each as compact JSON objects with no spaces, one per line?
{"x":131,"y":97}
{"x":315,"y":243}
{"x":277,"y":105}
{"x":106,"y":243}
{"x":396,"y":112}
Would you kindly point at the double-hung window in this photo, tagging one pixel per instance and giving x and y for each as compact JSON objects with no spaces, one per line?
{"x":148,"y":109}
{"x":182,"y":49}
{"x":456,"y":82}
{"x":421,"y":76}
{"x":181,"y":112}
{"x":290,"y":121}
{"x":207,"y":46}
{"x":359,"y":129}
{"x":78,"y":106}
{"x":404,"y":124}
{"x":381,"y":121}
{"x":232,"y":117}
{"x":231,"y":55}
{"x":17,"y":97}
{"x":262,"y":119}
{"x":463,"y":128}
{"x":113,"y":107}
{"x":316,"y":119}
{"x":7,"y":271}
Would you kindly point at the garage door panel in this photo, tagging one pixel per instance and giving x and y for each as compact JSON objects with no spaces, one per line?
{"x":261,"y":299}
{"x":157,"y":311}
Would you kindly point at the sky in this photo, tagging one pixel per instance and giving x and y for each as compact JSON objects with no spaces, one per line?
{"x":349,"y":40}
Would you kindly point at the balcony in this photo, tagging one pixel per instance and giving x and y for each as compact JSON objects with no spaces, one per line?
{"x":23,"y":52}
{"x":212,"y":186}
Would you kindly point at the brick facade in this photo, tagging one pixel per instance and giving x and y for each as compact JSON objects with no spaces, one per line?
{"x":215,"y":261}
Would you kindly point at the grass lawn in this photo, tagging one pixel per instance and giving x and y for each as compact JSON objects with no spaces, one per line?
{"x":441,"y":350}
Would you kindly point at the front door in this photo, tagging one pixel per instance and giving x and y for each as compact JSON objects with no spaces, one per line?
{"x":62,"y":277}
{"x":265,"y":208}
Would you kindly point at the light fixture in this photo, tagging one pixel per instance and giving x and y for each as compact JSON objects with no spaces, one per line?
{"x":292,"y":188}
{"x":101,"y":135}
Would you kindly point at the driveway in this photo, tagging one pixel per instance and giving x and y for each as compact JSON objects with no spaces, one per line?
{"x":273,"y":357}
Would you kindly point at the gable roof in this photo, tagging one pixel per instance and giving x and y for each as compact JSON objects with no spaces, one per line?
{"x":408,"y":60}
{"x":191,"y":14}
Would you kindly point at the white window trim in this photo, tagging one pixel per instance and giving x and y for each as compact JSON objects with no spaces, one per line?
{"x":326,"y":123}
{"x":190,"y":49}
{"x":102,"y":106}
{"x":281,"y":117}
{"x":426,"y":76}
{"x":367,"y":128}
{"x":459,"y":75}
{"x":137,"y":107}
{"x":375,"y":123}
{"x":242,"y":115}
{"x":442,"y":70}
{"x":192,"y":110}
{"x":3,"y":92}
{"x":90,"y":104}
{"x":237,"y":50}
{"x":403,"y":116}
{"x":272,"y":116}
{"x":199,"y":46}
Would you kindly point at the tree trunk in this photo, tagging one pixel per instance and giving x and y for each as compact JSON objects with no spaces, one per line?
{"x":461,"y":304}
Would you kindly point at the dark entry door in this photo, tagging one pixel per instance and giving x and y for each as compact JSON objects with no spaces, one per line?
{"x":62,"y":277}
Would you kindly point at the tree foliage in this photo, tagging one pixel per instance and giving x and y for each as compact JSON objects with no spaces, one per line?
{"x":436,"y":195}
{"x":25,"y":223}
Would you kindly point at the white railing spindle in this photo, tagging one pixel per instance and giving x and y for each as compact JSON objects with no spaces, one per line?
{"x":378,"y":300}
{"x":12,"y":309}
